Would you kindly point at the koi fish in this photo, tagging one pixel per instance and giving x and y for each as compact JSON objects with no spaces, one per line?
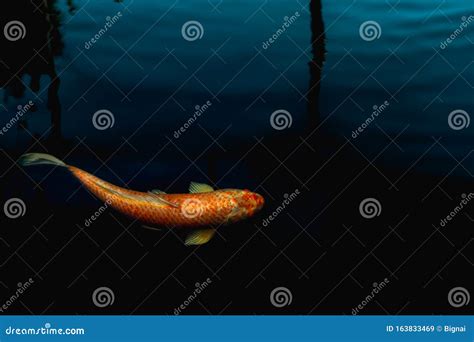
{"x":202,"y":209}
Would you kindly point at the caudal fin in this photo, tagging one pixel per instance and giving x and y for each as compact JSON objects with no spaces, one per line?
{"x":39,"y":159}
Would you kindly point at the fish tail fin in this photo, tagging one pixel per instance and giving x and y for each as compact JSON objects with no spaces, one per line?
{"x":29,"y":159}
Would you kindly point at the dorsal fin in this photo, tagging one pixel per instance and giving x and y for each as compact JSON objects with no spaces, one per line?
{"x":199,"y":187}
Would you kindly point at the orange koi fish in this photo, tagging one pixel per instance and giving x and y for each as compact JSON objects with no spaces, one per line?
{"x":203,"y":209}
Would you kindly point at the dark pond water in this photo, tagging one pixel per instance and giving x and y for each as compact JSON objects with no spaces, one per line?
{"x":375,"y":100}
{"x":151,"y":79}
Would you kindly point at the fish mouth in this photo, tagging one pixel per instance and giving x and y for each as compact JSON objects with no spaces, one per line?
{"x":251,"y":202}
{"x":259,"y":202}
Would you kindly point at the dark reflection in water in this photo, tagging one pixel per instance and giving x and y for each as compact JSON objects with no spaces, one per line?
{"x":34,"y":57}
{"x":318,"y":40}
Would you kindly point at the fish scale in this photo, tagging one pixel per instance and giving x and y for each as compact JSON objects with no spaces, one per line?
{"x":215,"y":206}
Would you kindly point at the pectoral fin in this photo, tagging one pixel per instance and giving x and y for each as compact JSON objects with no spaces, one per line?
{"x":233,"y":213}
{"x":199,"y":237}
{"x":199,"y":187}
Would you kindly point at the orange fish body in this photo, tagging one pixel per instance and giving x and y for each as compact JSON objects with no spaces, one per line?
{"x":201,"y":209}
{"x":184,"y":210}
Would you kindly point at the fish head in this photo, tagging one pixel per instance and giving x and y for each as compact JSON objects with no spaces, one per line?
{"x":247,"y":204}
